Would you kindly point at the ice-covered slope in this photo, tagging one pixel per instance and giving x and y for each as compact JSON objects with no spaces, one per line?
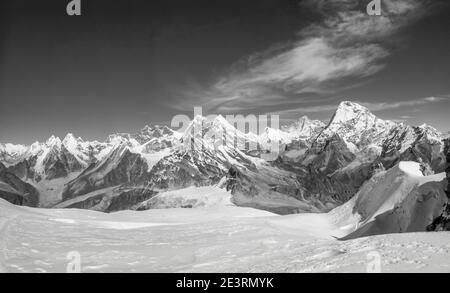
{"x":394,"y":201}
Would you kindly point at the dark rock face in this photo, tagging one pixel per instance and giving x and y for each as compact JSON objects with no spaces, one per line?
{"x":120,"y":167}
{"x":442,"y":223}
{"x":129,"y":198}
{"x":58,"y":163}
{"x":333,"y":156}
{"x":238,"y":182}
{"x":184,"y":169}
{"x":416,"y":144}
{"x":15,"y":190}
{"x":118,"y":200}
{"x":319,"y":173}
{"x":24,"y":169}
{"x":319,"y":180}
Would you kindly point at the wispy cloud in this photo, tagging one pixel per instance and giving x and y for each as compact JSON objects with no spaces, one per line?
{"x":340,"y":50}
{"x":374,"y":107}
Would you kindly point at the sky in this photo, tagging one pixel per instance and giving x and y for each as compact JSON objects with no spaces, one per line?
{"x":122,"y":65}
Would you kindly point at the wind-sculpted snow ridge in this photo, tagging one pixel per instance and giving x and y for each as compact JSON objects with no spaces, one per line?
{"x":395,"y":201}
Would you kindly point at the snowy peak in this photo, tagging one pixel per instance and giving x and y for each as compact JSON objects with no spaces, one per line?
{"x":70,"y":139}
{"x":305,"y":128}
{"x":13,"y":149}
{"x":275,"y":135}
{"x":121,"y":138}
{"x":210,"y":133}
{"x":431,"y":133}
{"x":305,"y":122}
{"x":357,"y":126}
{"x":349,"y":111}
{"x":148,"y":133}
{"x":53,"y":141}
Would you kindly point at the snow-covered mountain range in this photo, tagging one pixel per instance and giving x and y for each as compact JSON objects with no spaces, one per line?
{"x":320,"y":165}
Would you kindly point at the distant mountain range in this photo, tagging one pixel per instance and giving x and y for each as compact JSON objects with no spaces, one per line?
{"x":320,"y":166}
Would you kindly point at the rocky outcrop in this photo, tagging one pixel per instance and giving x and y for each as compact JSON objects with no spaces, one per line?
{"x":15,"y":190}
{"x":54,"y":162}
{"x":322,"y":173}
{"x":184,"y":169}
{"x":25,"y":169}
{"x":111,"y":199}
{"x":421,"y":144}
{"x":442,"y":223}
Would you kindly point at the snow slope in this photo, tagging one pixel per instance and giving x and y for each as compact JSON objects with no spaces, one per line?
{"x":216,"y":237}
{"x":212,"y":239}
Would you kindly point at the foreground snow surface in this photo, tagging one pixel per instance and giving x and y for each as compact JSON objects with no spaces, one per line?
{"x":214,"y":238}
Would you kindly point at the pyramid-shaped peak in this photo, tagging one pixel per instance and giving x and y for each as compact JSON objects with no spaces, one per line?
{"x":70,"y":136}
{"x":350,"y":111}
{"x":348,"y":105}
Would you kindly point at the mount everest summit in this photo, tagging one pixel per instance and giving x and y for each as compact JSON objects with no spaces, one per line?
{"x":319,"y":166}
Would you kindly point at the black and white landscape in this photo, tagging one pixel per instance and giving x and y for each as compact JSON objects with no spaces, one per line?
{"x":357,"y":184}
{"x":204,"y":210}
